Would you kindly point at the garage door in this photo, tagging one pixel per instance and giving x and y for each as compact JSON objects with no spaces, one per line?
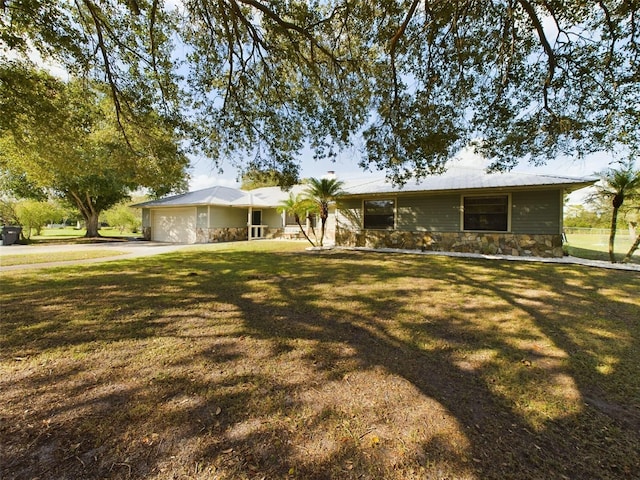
{"x":175,"y":225}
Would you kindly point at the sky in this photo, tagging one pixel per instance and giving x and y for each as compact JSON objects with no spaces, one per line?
{"x":204,"y":174}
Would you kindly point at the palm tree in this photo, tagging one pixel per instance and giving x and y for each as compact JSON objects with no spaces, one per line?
{"x":617,"y":185}
{"x":323,"y":192}
{"x":633,"y":248}
{"x":297,"y":205}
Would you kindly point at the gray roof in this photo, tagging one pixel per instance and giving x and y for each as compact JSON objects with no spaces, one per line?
{"x":209,"y":196}
{"x":456,"y":179}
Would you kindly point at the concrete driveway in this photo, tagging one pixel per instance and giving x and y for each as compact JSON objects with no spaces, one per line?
{"x":131,"y":249}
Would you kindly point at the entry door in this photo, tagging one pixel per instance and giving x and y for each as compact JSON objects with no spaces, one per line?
{"x":256,"y":219}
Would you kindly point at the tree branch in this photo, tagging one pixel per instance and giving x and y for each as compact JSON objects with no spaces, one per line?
{"x":548,"y":49}
{"x":614,"y":37}
{"x":154,"y":48}
{"x":393,"y":46}
{"x":115,"y":94}
{"x":289,"y":26}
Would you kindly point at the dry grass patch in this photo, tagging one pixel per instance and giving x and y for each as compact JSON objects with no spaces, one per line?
{"x":249,"y":361}
{"x":52,"y":257}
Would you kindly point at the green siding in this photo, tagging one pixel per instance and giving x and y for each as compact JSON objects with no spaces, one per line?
{"x":350,"y":213}
{"x":536,"y":212}
{"x":433,"y":213}
{"x":532,"y":212}
{"x":271,"y":217}
{"x":223,"y":217}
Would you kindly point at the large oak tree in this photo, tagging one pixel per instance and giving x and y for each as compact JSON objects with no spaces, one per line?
{"x":416,"y":79}
{"x":64,"y":139}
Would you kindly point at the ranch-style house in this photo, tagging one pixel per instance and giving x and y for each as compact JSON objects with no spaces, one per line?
{"x":463,"y":210}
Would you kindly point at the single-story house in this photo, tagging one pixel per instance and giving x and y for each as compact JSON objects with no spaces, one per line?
{"x":462,"y":210}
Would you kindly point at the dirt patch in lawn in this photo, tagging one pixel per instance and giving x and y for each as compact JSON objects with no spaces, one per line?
{"x":270,"y":364}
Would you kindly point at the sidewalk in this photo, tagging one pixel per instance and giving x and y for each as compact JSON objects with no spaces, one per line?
{"x":563,"y":260}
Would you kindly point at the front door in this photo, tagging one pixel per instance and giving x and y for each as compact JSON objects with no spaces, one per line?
{"x":256,"y":217}
{"x":256,"y":221}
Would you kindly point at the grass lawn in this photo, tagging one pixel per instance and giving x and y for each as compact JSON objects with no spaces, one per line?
{"x":73,"y":234}
{"x":33,"y":258}
{"x":596,"y":247}
{"x":261,"y":360}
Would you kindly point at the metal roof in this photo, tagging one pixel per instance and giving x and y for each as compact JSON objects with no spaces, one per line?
{"x":209,"y":196}
{"x":456,"y":179}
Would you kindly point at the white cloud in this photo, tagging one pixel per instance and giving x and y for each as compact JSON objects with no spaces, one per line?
{"x":203,"y":180}
{"x":467,"y":158}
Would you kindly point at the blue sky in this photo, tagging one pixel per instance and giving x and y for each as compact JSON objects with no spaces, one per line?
{"x":205,"y":174}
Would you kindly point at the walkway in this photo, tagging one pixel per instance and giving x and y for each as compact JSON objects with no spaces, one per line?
{"x":564,"y":260}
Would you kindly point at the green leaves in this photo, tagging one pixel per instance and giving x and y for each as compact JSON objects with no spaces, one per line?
{"x":254,"y":82}
{"x":80,"y":151}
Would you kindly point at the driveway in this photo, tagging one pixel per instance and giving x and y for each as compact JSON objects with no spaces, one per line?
{"x":131,"y":249}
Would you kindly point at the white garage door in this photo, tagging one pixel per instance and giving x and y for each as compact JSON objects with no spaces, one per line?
{"x":175,"y":225}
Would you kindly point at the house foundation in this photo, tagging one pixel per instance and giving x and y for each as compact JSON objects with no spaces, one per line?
{"x":538,"y":245}
{"x":219,"y":235}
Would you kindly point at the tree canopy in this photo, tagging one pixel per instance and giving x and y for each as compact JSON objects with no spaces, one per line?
{"x":257,"y":81}
{"x":64,"y":138}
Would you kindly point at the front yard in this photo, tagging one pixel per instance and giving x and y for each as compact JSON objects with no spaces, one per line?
{"x":261,"y":360}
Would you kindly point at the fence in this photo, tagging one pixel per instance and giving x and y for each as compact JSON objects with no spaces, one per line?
{"x":594,"y":231}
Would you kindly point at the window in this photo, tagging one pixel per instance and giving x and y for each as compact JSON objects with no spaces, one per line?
{"x":202,"y":220}
{"x":290,"y":219}
{"x":486,"y":213}
{"x":379,"y":214}
{"x":312,"y":217}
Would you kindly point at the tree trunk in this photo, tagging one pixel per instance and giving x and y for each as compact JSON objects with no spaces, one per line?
{"x":323,"y":221}
{"x":324,"y":214}
{"x":612,"y":234}
{"x":303,"y":232}
{"x":634,"y":247}
{"x":88,"y":211}
{"x":92,"y":224}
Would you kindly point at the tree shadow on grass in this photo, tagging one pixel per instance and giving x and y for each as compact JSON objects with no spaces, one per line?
{"x":338,"y":365}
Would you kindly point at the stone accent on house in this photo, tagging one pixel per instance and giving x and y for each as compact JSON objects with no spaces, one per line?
{"x":146,"y":233}
{"x":272,"y":233}
{"x":219,"y":235}
{"x":465,"y":242}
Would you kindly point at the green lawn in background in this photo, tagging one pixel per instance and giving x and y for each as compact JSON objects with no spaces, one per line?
{"x":70,"y":233}
{"x":596,"y":246}
{"x":263,"y":360}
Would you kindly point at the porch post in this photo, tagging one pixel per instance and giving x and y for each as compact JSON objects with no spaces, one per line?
{"x":249,"y":217}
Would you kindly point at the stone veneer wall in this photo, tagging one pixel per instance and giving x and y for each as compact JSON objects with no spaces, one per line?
{"x":467,"y":242}
{"x":146,"y":233}
{"x":230,"y":234}
{"x":217,"y":235}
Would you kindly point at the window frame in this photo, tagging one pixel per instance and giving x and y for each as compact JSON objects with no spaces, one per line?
{"x":383,"y":199}
{"x":488,"y":196}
